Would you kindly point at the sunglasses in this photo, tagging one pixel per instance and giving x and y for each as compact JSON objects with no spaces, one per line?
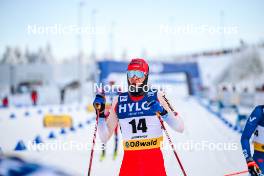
{"x":136,"y":73}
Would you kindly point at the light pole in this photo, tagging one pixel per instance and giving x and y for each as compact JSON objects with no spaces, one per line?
{"x":171,"y":22}
{"x":93,"y":25}
{"x":222,"y":35}
{"x":80,"y":47}
{"x":111,"y":40}
{"x":12,"y":78}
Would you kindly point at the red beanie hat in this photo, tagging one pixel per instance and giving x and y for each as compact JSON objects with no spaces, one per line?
{"x":138,"y":64}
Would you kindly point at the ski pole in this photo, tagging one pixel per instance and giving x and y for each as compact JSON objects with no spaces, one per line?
{"x":237,"y":173}
{"x":241,"y":172}
{"x":171,"y":143}
{"x":97,"y":107}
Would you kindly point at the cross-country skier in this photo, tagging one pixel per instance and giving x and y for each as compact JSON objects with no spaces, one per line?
{"x":140,"y":127}
{"x":255,"y":124}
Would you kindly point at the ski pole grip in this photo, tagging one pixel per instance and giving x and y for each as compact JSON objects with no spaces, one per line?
{"x":97,"y":106}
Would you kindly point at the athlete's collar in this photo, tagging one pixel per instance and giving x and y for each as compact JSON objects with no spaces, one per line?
{"x":136,"y":98}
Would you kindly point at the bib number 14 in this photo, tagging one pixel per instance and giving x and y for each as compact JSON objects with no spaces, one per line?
{"x":140,"y":126}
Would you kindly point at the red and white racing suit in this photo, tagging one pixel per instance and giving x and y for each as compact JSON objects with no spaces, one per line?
{"x":141,"y":131}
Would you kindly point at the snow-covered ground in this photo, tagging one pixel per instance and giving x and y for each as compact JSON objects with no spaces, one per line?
{"x":197,"y":146}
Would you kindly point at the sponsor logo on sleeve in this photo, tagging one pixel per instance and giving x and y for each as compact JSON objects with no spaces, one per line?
{"x":251,"y":119}
{"x":123,"y":98}
{"x":150,"y":94}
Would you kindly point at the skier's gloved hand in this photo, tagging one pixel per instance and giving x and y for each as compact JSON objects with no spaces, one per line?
{"x":99,"y":100}
{"x":253,"y":168}
{"x":157,"y":108}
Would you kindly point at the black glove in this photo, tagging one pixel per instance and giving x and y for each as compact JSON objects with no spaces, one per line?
{"x":253,"y":168}
{"x":99,"y":100}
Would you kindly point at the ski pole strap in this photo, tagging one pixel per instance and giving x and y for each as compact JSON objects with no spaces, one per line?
{"x":97,"y":106}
